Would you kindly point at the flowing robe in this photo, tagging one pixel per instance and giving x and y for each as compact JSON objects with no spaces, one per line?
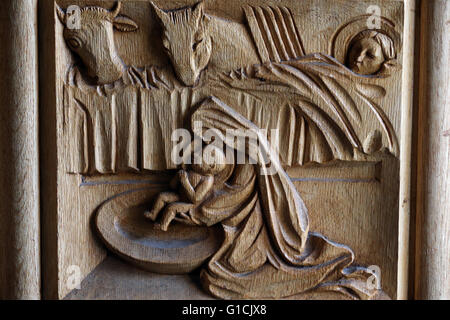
{"x":268,"y":251}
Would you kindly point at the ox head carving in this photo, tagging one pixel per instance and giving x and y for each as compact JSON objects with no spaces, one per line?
{"x":93,"y":40}
{"x":186,"y":40}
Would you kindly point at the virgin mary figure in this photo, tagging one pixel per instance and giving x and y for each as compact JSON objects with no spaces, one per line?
{"x":268,"y":250}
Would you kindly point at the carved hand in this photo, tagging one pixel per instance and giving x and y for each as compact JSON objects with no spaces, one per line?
{"x":186,"y":185}
{"x":203,"y":188}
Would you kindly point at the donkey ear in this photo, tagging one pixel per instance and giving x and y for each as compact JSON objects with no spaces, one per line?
{"x":124,"y":24}
{"x":61,"y":14}
{"x":197,"y":10}
{"x":163,"y":16}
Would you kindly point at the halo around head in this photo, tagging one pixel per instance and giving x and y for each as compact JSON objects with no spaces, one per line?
{"x":343,"y":37}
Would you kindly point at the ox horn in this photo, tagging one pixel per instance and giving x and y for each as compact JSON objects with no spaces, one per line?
{"x":115,"y":12}
{"x":61,"y":14}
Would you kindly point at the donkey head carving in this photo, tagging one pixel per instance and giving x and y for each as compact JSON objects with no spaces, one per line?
{"x":186,"y":40}
{"x":93,"y":40}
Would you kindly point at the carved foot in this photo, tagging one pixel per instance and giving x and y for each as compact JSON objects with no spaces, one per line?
{"x":163,"y":225}
{"x":150,"y":215}
{"x":160,"y":226}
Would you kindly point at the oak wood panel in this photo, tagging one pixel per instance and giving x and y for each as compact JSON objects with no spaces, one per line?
{"x":19,"y":165}
{"x":432,"y":273}
{"x":73,"y":199}
{"x":404,"y":220}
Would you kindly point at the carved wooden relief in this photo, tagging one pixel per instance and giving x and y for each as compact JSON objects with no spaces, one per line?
{"x":256,"y":141}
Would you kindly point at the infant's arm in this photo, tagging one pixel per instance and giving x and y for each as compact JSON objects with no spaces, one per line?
{"x":203,"y":188}
{"x":186,"y":185}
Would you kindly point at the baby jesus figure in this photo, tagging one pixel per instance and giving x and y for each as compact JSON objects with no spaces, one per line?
{"x":192,"y":188}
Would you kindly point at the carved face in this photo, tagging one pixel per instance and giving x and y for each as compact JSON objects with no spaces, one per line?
{"x":94,"y":43}
{"x":186,"y":41}
{"x":213,"y":161}
{"x":366,"y":56}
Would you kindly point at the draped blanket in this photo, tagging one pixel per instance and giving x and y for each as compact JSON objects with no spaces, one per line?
{"x":107,"y":128}
{"x":320,"y":107}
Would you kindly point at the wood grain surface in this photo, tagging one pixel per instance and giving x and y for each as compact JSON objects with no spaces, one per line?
{"x":106,"y":136}
{"x":19,"y":165}
{"x":98,"y":141}
{"x":432,"y":274}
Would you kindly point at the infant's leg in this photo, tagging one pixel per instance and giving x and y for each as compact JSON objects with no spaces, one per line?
{"x":171,"y":211}
{"x":160,"y":202}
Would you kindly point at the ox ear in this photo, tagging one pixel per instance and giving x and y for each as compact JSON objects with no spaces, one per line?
{"x":163,"y":16}
{"x":61,"y":14}
{"x":124,"y":24}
